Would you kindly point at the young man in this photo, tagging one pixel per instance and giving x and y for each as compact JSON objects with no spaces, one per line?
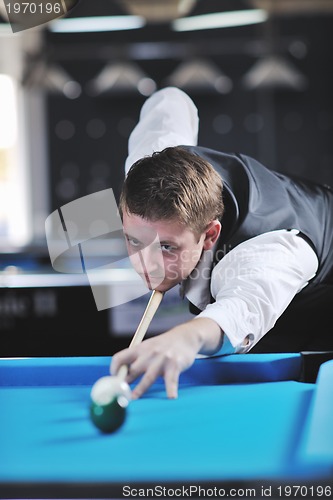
{"x":247,"y":246}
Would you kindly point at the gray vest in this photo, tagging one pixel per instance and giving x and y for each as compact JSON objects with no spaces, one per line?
{"x":258,"y":200}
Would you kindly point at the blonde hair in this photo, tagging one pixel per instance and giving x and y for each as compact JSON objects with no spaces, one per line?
{"x":173,"y":184}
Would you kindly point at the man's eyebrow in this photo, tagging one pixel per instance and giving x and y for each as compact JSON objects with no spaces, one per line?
{"x":127,"y":235}
{"x":169,"y":242}
{"x":162,"y":242}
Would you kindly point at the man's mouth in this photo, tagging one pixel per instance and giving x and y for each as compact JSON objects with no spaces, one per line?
{"x":151,"y":280}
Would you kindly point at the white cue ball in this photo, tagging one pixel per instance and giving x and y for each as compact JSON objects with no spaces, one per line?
{"x":108,"y":388}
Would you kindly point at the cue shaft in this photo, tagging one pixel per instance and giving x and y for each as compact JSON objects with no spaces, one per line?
{"x":152,"y":306}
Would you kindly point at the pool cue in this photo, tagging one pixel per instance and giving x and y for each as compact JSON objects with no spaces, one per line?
{"x":152,"y":306}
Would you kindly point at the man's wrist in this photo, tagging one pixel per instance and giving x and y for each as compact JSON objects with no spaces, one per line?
{"x":210,"y":335}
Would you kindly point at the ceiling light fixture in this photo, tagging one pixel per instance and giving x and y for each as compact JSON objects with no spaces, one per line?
{"x":200,"y":75}
{"x":220,"y":20}
{"x":121,"y":78}
{"x":274,"y":71}
{"x":157,"y":11}
{"x":51,"y":78}
{"x":96,"y":24}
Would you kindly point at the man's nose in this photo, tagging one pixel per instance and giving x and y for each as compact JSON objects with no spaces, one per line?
{"x":151,"y":259}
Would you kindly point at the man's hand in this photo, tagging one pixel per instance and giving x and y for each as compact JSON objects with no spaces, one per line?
{"x":168,"y":354}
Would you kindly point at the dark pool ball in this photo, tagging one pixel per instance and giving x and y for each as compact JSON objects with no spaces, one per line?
{"x":110,"y":397}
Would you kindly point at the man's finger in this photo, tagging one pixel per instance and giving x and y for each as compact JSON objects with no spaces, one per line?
{"x":125,"y":357}
{"x":139,"y":366}
{"x":154,"y":370}
{"x":171,"y":379}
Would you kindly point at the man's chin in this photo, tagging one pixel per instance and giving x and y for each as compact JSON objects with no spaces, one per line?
{"x":161,"y":287}
{"x":160,"y":284}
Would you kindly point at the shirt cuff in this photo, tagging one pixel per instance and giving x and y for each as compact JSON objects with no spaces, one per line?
{"x":233,"y":341}
{"x":227,"y":347}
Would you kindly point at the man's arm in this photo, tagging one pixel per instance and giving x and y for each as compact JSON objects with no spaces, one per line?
{"x":253,"y":285}
{"x":168,"y":118}
{"x":169,"y":354}
{"x":255,"y":282}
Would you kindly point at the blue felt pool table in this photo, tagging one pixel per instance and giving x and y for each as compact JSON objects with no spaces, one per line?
{"x":244,"y":420}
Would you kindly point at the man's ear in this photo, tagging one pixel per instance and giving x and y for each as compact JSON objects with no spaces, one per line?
{"x":212,"y":232}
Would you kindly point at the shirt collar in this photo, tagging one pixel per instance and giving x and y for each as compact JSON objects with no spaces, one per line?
{"x":196,"y":288}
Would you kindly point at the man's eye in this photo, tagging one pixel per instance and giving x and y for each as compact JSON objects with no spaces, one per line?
{"x":133,"y":242}
{"x":167,"y":248}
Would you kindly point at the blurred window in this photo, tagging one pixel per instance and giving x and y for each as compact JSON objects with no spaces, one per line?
{"x":14,"y":213}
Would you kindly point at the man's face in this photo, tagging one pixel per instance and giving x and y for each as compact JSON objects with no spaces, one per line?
{"x":163,"y":253}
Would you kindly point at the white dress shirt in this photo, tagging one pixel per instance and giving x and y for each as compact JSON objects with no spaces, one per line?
{"x":253,"y":283}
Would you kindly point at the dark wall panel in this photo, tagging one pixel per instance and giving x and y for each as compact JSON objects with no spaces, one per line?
{"x":287,"y":130}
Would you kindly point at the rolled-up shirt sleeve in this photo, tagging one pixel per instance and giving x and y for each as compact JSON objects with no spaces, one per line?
{"x":255,"y":282}
{"x":168,"y":118}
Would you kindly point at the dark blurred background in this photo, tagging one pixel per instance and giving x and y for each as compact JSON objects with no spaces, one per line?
{"x":260,"y":72}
